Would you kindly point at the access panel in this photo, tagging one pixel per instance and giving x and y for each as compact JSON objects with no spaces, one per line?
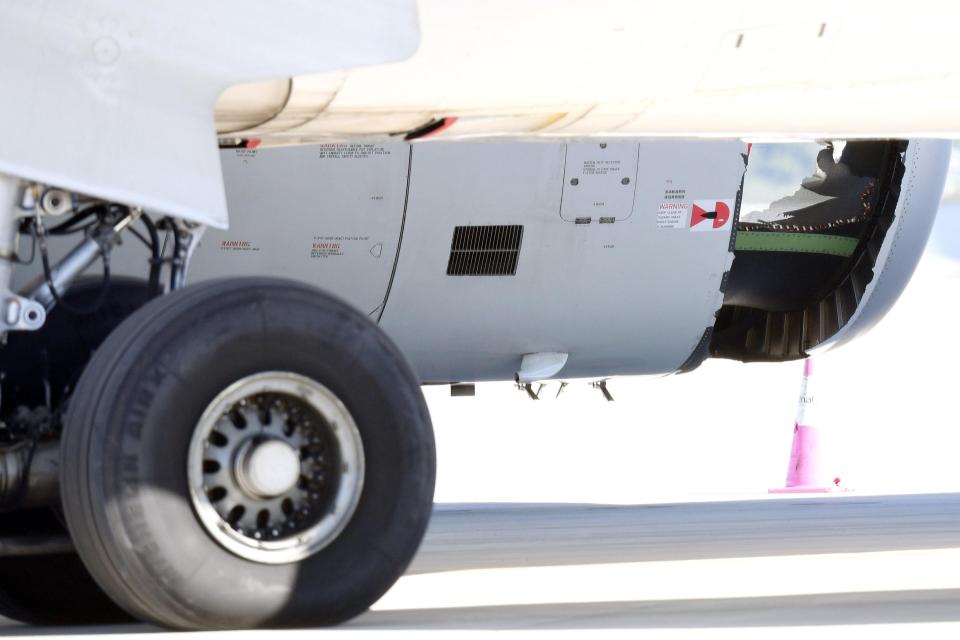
{"x":630,"y":288}
{"x":329,"y":215}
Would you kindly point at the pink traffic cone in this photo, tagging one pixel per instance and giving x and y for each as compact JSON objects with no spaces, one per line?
{"x":805,"y":473}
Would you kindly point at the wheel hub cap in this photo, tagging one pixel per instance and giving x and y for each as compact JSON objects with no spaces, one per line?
{"x":267,"y":469}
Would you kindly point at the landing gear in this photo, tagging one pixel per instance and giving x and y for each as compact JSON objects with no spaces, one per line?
{"x":244,"y":453}
{"x":238,"y":453}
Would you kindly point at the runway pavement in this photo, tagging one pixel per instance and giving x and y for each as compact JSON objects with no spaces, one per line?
{"x":843,"y":559}
{"x":744,"y":567}
{"x":482,"y":536}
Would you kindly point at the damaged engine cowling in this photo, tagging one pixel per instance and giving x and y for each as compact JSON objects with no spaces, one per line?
{"x":825,"y":263}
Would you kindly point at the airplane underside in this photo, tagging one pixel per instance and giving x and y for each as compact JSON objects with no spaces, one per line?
{"x":582,"y":248}
{"x":351,"y":274}
{"x":213,"y":423}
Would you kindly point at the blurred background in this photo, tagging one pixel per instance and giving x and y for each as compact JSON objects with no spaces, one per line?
{"x":887,"y":405}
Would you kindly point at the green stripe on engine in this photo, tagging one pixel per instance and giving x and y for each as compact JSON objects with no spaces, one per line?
{"x":795,"y":243}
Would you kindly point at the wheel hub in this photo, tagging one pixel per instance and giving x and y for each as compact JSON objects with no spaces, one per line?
{"x":275,"y":467}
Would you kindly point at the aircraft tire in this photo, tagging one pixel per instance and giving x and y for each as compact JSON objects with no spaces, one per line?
{"x":256,"y":393}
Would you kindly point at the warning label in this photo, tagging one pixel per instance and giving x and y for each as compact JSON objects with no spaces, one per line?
{"x":332,"y":246}
{"x":343,"y":151}
{"x":600,"y":167}
{"x":326,"y":249}
{"x":672,"y":215}
{"x":710,"y":215}
{"x":238,"y":245}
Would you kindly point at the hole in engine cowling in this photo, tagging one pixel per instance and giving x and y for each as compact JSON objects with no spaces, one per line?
{"x":803,"y":261}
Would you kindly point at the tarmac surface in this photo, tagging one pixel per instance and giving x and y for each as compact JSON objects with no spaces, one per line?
{"x":732,"y":568}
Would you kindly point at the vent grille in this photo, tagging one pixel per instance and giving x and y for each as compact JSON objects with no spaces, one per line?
{"x":488,"y":250}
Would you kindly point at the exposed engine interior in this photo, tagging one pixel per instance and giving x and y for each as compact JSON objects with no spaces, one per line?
{"x":801,"y":265}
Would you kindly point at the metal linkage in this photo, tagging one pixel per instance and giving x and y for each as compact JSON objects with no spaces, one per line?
{"x":602,"y":386}
{"x":23,"y":209}
{"x":46,"y":288}
{"x":21,"y":200}
{"x":186,"y":237}
{"x":17,"y":312}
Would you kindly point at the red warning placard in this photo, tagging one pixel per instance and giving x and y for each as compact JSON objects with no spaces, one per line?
{"x":710,"y":215}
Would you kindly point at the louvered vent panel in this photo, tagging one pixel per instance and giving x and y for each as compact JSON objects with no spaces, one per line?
{"x":488,"y":250}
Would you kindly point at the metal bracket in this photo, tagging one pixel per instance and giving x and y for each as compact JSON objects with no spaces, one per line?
{"x":528,"y":388}
{"x":17,"y":313}
{"x":187,"y":236}
{"x":602,"y":386}
{"x":20,"y":314}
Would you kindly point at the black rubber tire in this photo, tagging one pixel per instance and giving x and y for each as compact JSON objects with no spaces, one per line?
{"x":57,"y":589}
{"x":125,"y":446}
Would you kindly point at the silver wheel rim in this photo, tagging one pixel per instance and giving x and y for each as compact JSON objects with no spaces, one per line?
{"x":275,"y":467}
